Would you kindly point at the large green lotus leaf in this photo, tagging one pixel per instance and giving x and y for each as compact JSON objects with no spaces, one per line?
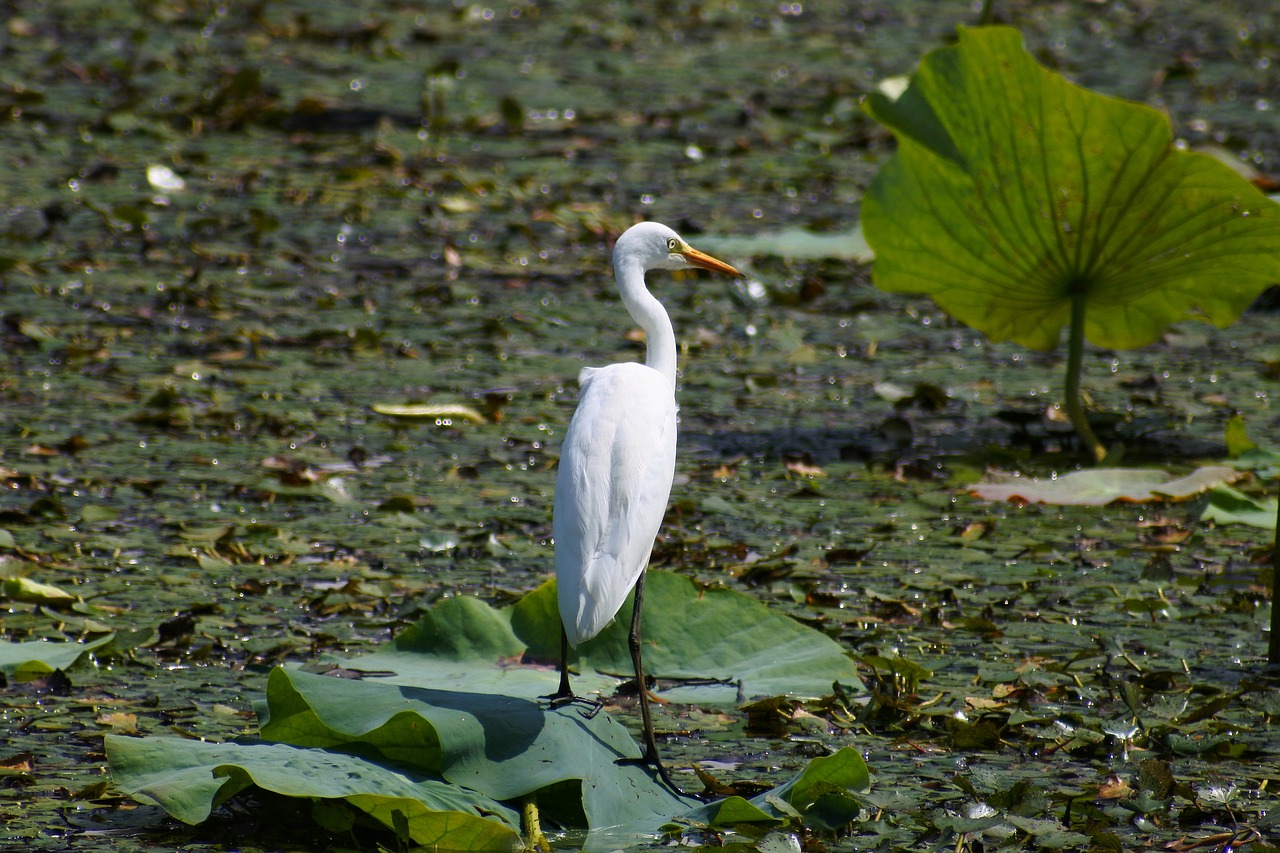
{"x":464,"y":644}
{"x":734,"y":644}
{"x":452,"y":763}
{"x":191,"y":778}
{"x":1012,"y":189}
{"x":711,"y":638}
{"x":501,"y":746}
{"x":25,"y":661}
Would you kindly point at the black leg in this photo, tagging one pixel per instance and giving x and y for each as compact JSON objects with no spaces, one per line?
{"x":564,"y":694}
{"x":650,"y":744}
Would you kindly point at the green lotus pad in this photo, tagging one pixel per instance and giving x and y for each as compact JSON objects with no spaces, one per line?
{"x":1014,"y":192}
{"x":451,"y":768}
{"x":718,"y":645}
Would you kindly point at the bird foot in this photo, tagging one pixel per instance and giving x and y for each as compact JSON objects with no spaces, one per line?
{"x":560,"y":700}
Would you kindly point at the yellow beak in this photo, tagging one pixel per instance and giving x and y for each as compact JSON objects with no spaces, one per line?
{"x":706,"y":262}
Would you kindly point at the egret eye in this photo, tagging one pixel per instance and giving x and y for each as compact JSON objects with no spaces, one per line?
{"x":673,"y":244}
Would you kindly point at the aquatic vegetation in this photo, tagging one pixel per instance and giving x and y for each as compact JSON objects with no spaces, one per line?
{"x":278,"y":405}
{"x":450,"y":763}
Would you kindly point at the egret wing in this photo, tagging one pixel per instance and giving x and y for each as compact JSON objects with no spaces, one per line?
{"x":616,"y":468}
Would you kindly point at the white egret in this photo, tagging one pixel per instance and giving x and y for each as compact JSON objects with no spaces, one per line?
{"x":617,"y":464}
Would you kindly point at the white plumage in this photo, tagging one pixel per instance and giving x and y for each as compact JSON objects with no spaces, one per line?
{"x":611,"y":497}
{"x":617,"y":463}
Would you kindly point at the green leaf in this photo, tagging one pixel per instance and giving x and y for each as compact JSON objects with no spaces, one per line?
{"x":500,"y":746}
{"x":333,"y":815}
{"x":844,"y":769}
{"x":464,"y":644}
{"x":95,"y":513}
{"x":717,"y":638}
{"x":25,"y":661}
{"x":820,"y":794}
{"x":463,"y":627}
{"x":1237,"y":437}
{"x":1263,"y":461}
{"x":1013,"y":190}
{"x":1048,"y":834}
{"x":443,"y":762}
{"x":714,"y":634}
{"x":191,"y":778}
{"x":1228,"y":506}
{"x":732,"y":811}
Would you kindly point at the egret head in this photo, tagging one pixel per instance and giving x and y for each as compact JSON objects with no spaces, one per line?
{"x":654,"y":246}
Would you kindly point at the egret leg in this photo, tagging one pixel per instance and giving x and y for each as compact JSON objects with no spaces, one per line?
{"x":633,"y":640}
{"x":564,"y":694}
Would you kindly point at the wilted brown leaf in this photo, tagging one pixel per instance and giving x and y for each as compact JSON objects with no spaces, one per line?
{"x":1114,"y":788}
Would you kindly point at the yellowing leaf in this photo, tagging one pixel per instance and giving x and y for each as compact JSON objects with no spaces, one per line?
{"x":120,"y":721}
{"x":25,"y":589}
{"x":445,"y":413}
{"x":1101,"y":486}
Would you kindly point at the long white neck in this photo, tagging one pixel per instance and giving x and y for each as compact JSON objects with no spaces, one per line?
{"x":645,"y":309}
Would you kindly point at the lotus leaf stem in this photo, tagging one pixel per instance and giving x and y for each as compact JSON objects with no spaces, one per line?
{"x":1075,"y":360}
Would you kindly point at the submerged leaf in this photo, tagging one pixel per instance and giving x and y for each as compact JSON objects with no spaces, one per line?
{"x":1013,"y":190}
